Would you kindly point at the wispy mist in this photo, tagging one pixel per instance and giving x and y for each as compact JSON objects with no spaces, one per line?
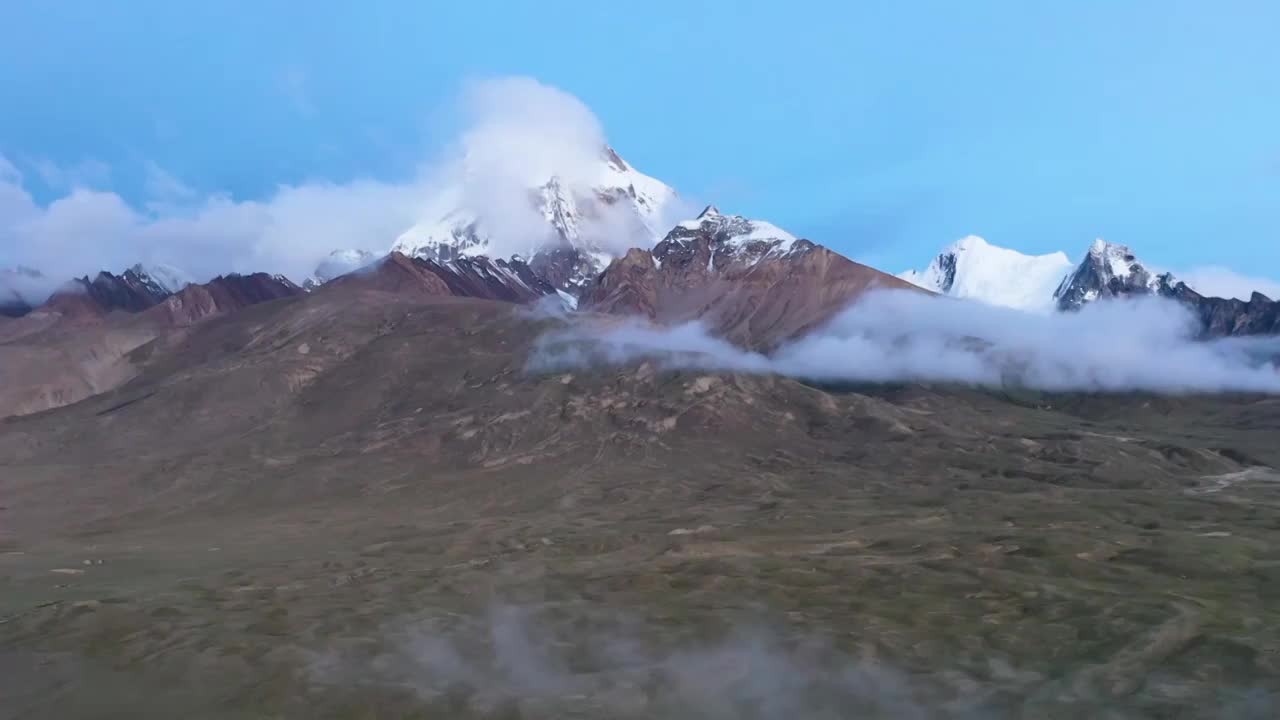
{"x":570,"y":660}
{"x":513,"y":658}
{"x":1142,"y":344}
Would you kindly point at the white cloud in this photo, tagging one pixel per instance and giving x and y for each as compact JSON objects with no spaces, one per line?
{"x":86,"y":231}
{"x":1217,"y":281}
{"x":519,"y":132}
{"x":524,"y":131}
{"x":1143,"y":344}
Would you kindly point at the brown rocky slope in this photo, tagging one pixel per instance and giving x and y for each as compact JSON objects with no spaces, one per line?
{"x":87,"y":339}
{"x":748,"y":282}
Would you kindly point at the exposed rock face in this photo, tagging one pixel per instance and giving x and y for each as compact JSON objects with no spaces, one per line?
{"x":478,"y":277}
{"x":71,"y":304}
{"x":83,"y":340}
{"x":397,"y":274}
{"x":1112,"y":271}
{"x":566,"y":268}
{"x":1223,"y":317}
{"x":223,"y":294}
{"x":130,"y":292}
{"x":1107,"y":271}
{"x":133,"y":291}
{"x":627,"y":287}
{"x":749,"y":281}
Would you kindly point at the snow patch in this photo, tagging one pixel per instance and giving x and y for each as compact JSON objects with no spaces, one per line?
{"x":737,"y":235}
{"x":761,"y":230}
{"x":1119,"y":259}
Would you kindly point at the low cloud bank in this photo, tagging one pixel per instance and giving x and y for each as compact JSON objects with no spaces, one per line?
{"x":1144,"y":344}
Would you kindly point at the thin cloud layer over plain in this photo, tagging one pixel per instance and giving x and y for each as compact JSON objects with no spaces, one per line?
{"x":517,"y":656}
{"x":1144,"y":344}
{"x":515,"y":129}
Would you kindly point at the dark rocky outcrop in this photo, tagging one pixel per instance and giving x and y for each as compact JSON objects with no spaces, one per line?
{"x":224,"y":294}
{"x":476,"y":277}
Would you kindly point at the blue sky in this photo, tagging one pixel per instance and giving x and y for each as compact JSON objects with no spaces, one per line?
{"x":882,"y":129}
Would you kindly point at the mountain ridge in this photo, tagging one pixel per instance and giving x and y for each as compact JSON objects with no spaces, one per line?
{"x":974,"y":269}
{"x":748,"y":281}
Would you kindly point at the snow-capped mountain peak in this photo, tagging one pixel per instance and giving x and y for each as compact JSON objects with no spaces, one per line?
{"x":975,"y":269}
{"x":337,"y":263}
{"x":1119,"y":259}
{"x":1108,"y":270}
{"x":736,"y":230}
{"x":730,"y":238}
{"x":568,"y":226}
{"x":161,"y":279}
{"x":612,"y":206}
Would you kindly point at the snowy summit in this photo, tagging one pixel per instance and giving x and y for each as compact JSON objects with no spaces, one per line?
{"x":339,"y":262}
{"x":161,"y":279}
{"x":1108,"y":270}
{"x":595,"y":214}
{"x":733,"y":237}
{"x":974,"y":269}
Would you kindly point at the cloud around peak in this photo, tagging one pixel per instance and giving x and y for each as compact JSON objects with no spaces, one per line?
{"x":514,"y":129}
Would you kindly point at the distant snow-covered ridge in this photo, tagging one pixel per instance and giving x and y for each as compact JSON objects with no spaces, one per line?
{"x":974,"y":269}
